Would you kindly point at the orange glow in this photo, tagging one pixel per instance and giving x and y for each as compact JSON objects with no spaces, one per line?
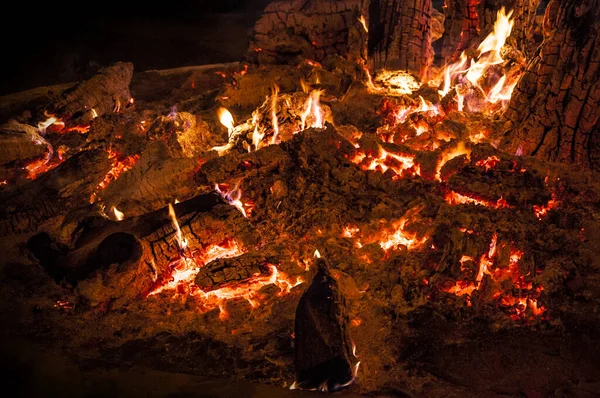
{"x":234,"y":198}
{"x":542,"y":211}
{"x":488,"y":163}
{"x":349,"y":232}
{"x":402,"y":237}
{"x":40,"y":166}
{"x":448,"y":155}
{"x":119,"y":167}
{"x":455,"y":198}
{"x":398,"y":163}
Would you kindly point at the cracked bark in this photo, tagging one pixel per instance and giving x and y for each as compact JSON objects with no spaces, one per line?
{"x":400,"y":36}
{"x":554,"y":112}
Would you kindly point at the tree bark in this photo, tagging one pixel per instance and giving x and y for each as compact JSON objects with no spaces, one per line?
{"x":555,"y":110}
{"x":400,"y":36}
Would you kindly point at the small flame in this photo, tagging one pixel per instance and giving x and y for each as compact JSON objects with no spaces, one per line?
{"x":94,"y":113}
{"x":274,"y":96}
{"x":449,"y":155}
{"x":118,"y":215}
{"x":181,"y":241}
{"x":312,"y":107}
{"x":317,"y":254}
{"x":363,"y":22}
{"x":226,"y":119}
{"x":233,"y":197}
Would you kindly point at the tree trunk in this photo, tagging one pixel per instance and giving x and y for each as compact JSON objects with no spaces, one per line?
{"x":555,"y":110}
{"x":468,"y":22}
{"x":400,"y":36}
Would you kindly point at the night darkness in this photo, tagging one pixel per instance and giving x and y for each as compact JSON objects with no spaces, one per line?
{"x":53,"y":43}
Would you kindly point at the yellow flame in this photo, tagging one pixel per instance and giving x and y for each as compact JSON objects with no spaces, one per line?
{"x":363,"y":22}
{"x":226,"y":118}
{"x":181,"y":241}
{"x":118,"y":214}
{"x":274,"y":96}
{"x":317,"y":254}
{"x":94,"y":113}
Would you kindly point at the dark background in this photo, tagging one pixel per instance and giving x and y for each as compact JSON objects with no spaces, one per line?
{"x":49,"y":43}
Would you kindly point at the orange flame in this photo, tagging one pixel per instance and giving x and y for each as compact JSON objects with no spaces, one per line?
{"x":455,"y":198}
{"x":449,"y":155}
{"x":181,"y":241}
{"x":118,"y":214}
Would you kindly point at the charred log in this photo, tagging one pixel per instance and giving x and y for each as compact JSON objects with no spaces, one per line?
{"x":104,"y":92}
{"x":555,"y":110}
{"x":230,"y":270}
{"x":322,"y":345}
{"x":291,"y":31}
{"x":400,"y":36}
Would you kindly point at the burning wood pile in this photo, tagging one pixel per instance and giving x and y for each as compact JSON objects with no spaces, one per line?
{"x":337,"y":213}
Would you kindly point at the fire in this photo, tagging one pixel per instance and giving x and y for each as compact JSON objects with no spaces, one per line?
{"x":118,"y":214}
{"x":398,"y":163}
{"x":181,"y":241}
{"x":349,"y":232}
{"x":397,"y":82}
{"x":402,"y":237}
{"x":52,"y":119}
{"x":234,"y":198}
{"x":94,"y":113}
{"x":317,"y":254}
{"x":226,"y":119}
{"x":274,"y":96}
{"x":450,"y":154}
{"x":312,"y":107}
{"x":119,"y":167}
{"x":455,"y":198}
{"x":40,"y":166}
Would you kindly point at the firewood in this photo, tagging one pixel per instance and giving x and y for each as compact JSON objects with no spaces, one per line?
{"x":555,"y":109}
{"x":20,"y":141}
{"x":102,"y":93}
{"x":291,"y":31}
{"x":323,"y":349}
{"x":230,"y":270}
{"x":400,"y":36}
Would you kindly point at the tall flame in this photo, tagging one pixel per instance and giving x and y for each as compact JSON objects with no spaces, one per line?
{"x":181,"y":240}
{"x":226,"y":119}
{"x":274,"y":96}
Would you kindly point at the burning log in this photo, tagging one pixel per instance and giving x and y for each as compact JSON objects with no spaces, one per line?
{"x":231,"y":270}
{"x":555,"y":111}
{"x":291,"y":31}
{"x":102,"y":93}
{"x":323,"y":349}
{"x":143,"y":253}
{"x":400,"y":36}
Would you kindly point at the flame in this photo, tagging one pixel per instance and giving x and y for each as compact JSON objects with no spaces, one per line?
{"x":402,"y":237}
{"x":449,"y":155}
{"x":38,"y":167}
{"x":274,"y":96}
{"x":181,"y":241}
{"x":349,"y":232}
{"x":542,"y":211}
{"x":94,"y":113}
{"x":317,"y":254}
{"x":363,"y":22}
{"x":118,"y":215}
{"x":451,"y":71}
{"x":52,"y":119}
{"x":312,"y":107}
{"x":398,"y":163}
{"x":226,"y":119}
{"x":233,"y":197}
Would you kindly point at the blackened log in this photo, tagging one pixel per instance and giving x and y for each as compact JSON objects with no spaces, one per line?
{"x":400,"y":36}
{"x":554,"y":112}
{"x":103,"y":92}
{"x":231,"y":270}
{"x":20,"y":142}
{"x":292,"y":31}
{"x":322,"y":346}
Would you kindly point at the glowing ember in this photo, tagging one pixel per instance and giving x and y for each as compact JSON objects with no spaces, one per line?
{"x":118,"y":215}
{"x":349,"y":232}
{"x":455,"y":198}
{"x":402,"y":237}
{"x":41,"y":166}
{"x":488,"y":163}
{"x":400,"y":164}
{"x":448,"y":155}
{"x":542,"y":211}
{"x":397,"y":82}
{"x":119,"y":167}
